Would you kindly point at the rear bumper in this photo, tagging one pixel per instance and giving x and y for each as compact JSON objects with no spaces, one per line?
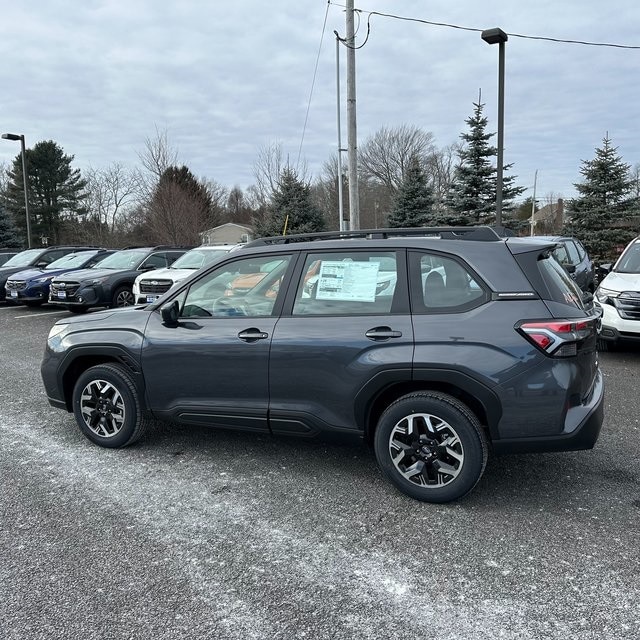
{"x":582,"y":429}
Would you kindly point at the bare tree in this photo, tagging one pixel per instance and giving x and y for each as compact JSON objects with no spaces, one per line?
{"x":385,"y":156}
{"x":268,"y":170}
{"x":440,"y":169}
{"x":158,"y":155}
{"x":111,"y":193}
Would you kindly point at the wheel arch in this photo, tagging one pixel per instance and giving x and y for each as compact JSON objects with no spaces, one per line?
{"x":83,"y":361}
{"x":483,"y":402}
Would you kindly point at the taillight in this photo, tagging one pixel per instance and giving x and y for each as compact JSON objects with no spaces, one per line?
{"x":558,"y":338}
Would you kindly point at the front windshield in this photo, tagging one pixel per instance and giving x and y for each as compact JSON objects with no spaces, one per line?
{"x":630,"y":260}
{"x":23,"y":259}
{"x":197,"y":258}
{"x":127,"y":259}
{"x":71,"y":260}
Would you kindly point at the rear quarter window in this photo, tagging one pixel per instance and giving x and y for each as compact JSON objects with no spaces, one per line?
{"x":559,"y":284}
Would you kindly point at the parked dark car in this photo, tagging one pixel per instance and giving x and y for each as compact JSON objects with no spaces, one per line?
{"x":31,"y":287}
{"x":573,"y":257}
{"x":476,"y":343}
{"x":7,"y":254}
{"x":109,"y":283}
{"x":39,"y":258}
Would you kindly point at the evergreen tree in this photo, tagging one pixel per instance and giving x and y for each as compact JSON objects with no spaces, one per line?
{"x":472,"y":197}
{"x":413,"y":204}
{"x":291,"y":204}
{"x":9,"y":236}
{"x":600,"y":216}
{"x":55,"y":190}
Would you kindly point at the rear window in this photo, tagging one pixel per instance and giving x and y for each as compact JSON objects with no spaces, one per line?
{"x":561,"y":287}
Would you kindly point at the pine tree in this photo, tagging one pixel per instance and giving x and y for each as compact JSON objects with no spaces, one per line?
{"x":472,"y":197}
{"x":291,"y":209}
{"x":600,"y":216}
{"x":9,"y":236}
{"x":413,"y":204}
{"x":56,"y":190}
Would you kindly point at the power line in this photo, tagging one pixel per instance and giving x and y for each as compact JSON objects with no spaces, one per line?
{"x":313,"y":84}
{"x":475,"y":30}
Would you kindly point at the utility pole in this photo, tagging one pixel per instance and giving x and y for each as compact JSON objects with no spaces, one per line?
{"x":533,"y":201}
{"x":354,"y":203}
{"x":343,"y":225}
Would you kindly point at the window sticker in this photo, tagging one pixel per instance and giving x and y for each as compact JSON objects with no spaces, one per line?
{"x":353,"y":281}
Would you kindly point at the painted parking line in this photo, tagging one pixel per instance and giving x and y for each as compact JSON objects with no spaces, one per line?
{"x":38,"y":315}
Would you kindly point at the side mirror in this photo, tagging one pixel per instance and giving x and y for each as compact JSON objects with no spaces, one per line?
{"x":170,"y":313}
{"x":571,"y":268}
{"x":605,"y":268}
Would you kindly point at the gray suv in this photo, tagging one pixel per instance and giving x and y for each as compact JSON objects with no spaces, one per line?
{"x":434,"y":345}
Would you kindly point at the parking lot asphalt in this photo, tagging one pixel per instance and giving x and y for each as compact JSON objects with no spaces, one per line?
{"x":199,"y":533}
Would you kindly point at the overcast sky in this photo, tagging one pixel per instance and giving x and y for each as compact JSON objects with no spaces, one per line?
{"x":224,"y":79}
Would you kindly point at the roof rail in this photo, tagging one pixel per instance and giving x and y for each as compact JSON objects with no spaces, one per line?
{"x":481,"y":233}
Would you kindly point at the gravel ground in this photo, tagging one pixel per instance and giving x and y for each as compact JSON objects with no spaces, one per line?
{"x":197,"y":533}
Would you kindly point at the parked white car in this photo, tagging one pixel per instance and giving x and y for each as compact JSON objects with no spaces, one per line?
{"x":148,"y":287}
{"x":619,"y":297}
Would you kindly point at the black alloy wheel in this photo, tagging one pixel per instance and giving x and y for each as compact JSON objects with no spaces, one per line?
{"x":431,"y":446}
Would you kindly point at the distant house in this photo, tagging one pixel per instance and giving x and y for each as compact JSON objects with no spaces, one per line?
{"x":228,"y":233}
{"x":550,"y":218}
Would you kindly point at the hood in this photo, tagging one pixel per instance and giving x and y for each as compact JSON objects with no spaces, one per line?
{"x":5,"y":272}
{"x":127,"y":318}
{"x":167,"y":273}
{"x":621,"y":281}
{"x":30,"y":274}
{"x":88,"y":274}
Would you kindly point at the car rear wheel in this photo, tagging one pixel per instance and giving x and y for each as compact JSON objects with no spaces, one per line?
{"x":123,"y":297}
{"x":431,"y":446}
{"x":107,"y":406}
{"x":607,"y":345}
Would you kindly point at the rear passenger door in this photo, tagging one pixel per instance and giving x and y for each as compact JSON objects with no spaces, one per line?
{"x":345,"y":328}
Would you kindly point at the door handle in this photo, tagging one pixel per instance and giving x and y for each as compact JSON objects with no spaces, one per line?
{"x":251,"y":335}
{"x":382,"y":333}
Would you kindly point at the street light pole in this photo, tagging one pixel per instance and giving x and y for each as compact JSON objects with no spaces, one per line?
{"x":15,"y":136}
{"x":498,"y":36}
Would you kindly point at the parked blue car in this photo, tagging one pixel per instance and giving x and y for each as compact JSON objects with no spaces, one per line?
{"x":31,"y":287}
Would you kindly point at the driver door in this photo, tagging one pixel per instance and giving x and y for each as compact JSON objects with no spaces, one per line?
{"x":212,"y":368}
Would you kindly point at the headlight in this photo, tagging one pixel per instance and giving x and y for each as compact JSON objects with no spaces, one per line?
{"x":57,"y":333}
{"x":99,"y":280}
{"x":603,"y":294}
{"x":44,"y":279}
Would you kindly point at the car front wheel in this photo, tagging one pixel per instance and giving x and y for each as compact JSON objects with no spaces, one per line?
{"x":123,"y":297}
{"x":107,"y":406}
{"x":431,"y":446}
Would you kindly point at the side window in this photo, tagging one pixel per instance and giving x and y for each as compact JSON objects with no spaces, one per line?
{"x":155,"y":260}
{"x":50,"y":256}
{"x":247,"y":287}
{"x":574,"y":258}
{"x":347,"y":283}
{"x":440,"y":284}
{"x":561,"y":255}
{"x":581,"y":252}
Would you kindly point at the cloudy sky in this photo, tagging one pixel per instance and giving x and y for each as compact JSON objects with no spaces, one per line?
{"x":224,"y":79}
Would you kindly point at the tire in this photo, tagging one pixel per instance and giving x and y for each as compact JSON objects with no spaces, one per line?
{"x":107,"y":406}
{"x":607,"y":345}
{"x":410,"y":446}
{"x":123,"y":297}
